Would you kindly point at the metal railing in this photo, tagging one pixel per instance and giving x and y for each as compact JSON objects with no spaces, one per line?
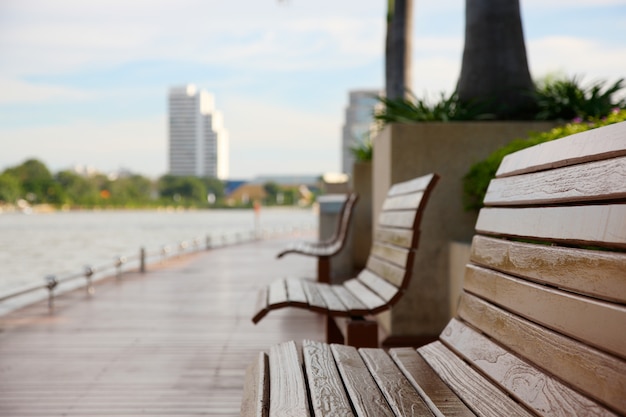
{"x":143,"y":258}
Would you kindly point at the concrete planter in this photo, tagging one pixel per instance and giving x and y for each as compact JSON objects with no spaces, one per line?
{"x":405,"y":151}
{"x":361,"y":228}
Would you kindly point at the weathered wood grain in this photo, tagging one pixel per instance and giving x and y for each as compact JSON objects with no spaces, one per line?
{"x":333,"y":303}
{"x":401,"y":219}
{"x":364,"y":294}
{"x":256,"y":386}
{"x":602,"y":180}
{"x":393,"y":254}
{"x":599,"y":225}
{"x":592,"y":145}
{"x":295,"y":293}
{"x":327,"y":394}
{"x":400,"y":394}
{"x":422,"y":183}
{"x":397,"y":237}
{"x":440,"y":398}
{"x":313,"y":296}
{"x":403,"y":202}
{"x":591,"y":371}
{"x":480,"y":394}
{"x":366,"y":397}
{"x":570,"y":314}
{"x":531,"y":386}
{"x":395,"y":274}
{"x":353,"y":304}
{"x":286,"y":377}
{"x":600,"y":274}
{"x":277,"y":295}
{"x":383,"y":288}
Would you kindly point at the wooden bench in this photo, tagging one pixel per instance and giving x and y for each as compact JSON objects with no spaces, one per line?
{"x":324,"y":250}
{"x":541,"y":324}
{"x":377,"y":287}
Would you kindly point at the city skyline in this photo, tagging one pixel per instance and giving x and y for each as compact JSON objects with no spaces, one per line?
{"x":86,"y":82}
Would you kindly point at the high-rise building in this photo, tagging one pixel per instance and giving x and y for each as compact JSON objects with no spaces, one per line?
{"x":198,"y":141}
{"x":359,"y":123}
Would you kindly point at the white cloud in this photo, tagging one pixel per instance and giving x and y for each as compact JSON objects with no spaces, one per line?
{"x":16,"y":91}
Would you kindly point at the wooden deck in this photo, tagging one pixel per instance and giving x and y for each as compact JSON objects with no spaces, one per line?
{"x":172,"y":342}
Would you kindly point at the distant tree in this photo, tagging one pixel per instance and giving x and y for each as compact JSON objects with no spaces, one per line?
{"x":183,"y":190}
{"x":215,"y":186}
{"x":37,"y":182}
{"x":272,"y":189}
{"x":133,"y":190}
{"x":10,"y":188}
{"x":80,"y":190}
{"x":494,"y":69}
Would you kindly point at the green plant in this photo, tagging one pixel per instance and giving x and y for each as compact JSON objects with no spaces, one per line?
{"x":477,"y":179}
{"x":566,"y":99}
{"x":363,"y":149}
{"x":412,"y":109}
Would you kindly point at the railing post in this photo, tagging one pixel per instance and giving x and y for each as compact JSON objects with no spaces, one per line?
{"x":142,"y":260}
{"x":88,"y":274}
{"x":118,"y":264}
{"x":164,"y":251}
{"x":208,"y":242}
{"x":51,"y":282}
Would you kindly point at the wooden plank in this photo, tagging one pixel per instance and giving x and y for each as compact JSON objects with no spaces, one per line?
{"x":261,"y":304}
{"x":403,"y":202}
{"x":480,"y":394}
{"x":395,"y":274}
{"x":295,"y":293}
{"x":396,"y":237}
{"x":255,"y":402}
{"x":365,"y":295}
{"x":402,"y":219}
{"x":383,"y":288}
{"x":533,"y":387}
{"x":277,"y":296}
{"x":417,"y":184}
{"x":353,"y":304}
{"x":313,"y":296}
{"x":394,"y":254}
{"x":400,"y":394}
{"x":592,"y":145}
{"x":570,"y":314}
{"x":603,"y":180}
{"x":439,"y":397}
{"x":599,"y":375}
{"x":333,"y":303}
{"x":596,"y":273}
{"x":328,"y":396}
{"x":602,"y":225}
{"x":287,"y":379}
{"x":365,"y":395}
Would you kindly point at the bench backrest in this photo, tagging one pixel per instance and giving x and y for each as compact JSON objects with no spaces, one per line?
{"x":338,"y":240}
{"x":543,"y":309}
{"x":389,"y":266}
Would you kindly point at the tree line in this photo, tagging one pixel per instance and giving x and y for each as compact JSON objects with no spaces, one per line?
{"x":32,"y":183}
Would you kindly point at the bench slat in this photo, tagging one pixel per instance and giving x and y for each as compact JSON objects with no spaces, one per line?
{"x":430,"y":387}
{"x":295,"y":292}
{"x":353,"y":304}
{"x":286,"y":378}
{"x":364,"y":294}
{"x":595,"y":181}
{"x":262,"y":307}
{"x":381,"y":287}
{"x":328,"y":397}
{"x":392,"y":273}
{"x":531,"y":386}
{"x":255,"y":402}
{"x":402,"y":219}
{"x":403,"y":202}
{"x":396,"y":237}
{"x":601,"y":225}
{"x":313,"y":296}
{"x":398,"y":391}
{"x":570,"y":314}
{"x":394,"y":254}
{"x":417,"y":184}
{"x":277,"y":295}
{"x":596,"y":273}
{"x":333,"y":303}
{"x":480,"y":394}
{"x":600,"y":375}
{"x":364,"y":393}
{"x":592,"y":145}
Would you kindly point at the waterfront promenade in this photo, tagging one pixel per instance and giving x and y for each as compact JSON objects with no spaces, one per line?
{"x":174,"y":341}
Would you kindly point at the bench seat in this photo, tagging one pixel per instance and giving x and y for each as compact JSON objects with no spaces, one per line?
{"x":541,"y":325}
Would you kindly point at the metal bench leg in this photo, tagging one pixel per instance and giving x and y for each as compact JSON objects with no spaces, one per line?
{"x":323,"y":269}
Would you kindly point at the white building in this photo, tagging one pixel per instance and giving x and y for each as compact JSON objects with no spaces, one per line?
{"x":359,"y":123}
{"x":198,"y":141}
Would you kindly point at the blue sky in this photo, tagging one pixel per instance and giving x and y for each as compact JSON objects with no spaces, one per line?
{"x":85,"y":82}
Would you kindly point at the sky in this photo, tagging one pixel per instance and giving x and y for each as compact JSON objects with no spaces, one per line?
{"x":86,"y":82}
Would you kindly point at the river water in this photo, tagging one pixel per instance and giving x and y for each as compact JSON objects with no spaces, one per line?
{"x":62,"y":243}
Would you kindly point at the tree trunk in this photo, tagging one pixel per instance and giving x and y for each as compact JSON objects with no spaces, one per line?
{"x":398,"y":48}
{"x":495,"y":71}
